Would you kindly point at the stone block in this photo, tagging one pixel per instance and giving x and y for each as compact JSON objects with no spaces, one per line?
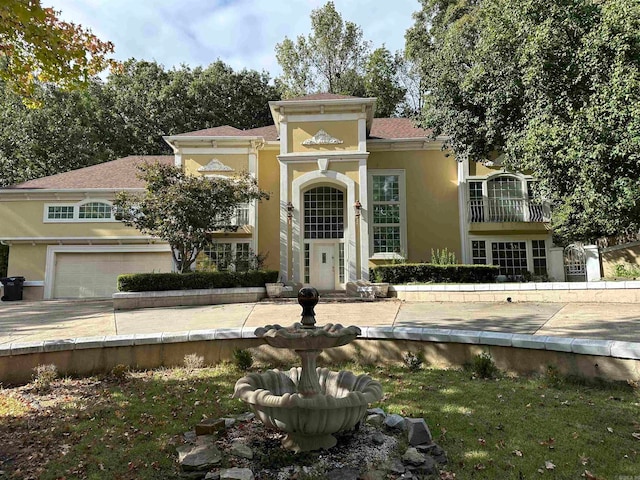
{"x":236,"y":473}
{"x":147,"y":338}
{"x":210,"y":426}
{"x":395,"y":422}
{"x":198,"y":457}
{"x":592,"y":347}
{"x":59,"y":345}
{"x":558,"y":344}
{"x":439,"y":335}
{"x":496,"y":338}
{"x":89,"y":342}
{"x":407,"y":333}
{"x":625,"y":350}
{"x":228,"y":333}
{"x":201,"y":335}
{"x":119,"y":340}
{"x":465,"y":336}
{"x":380,"y":332}
{"x":417,"y":431}
{"x":27,"y":347}
{"x":175,"y":337}
{"x":521,"y":340}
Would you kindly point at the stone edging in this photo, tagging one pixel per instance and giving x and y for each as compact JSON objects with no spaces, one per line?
{"x":170,"y":298}
{"x":499,"y":287}
{"x":580,"y":346}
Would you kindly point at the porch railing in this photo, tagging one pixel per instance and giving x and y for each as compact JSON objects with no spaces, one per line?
{"x":508,"y":210}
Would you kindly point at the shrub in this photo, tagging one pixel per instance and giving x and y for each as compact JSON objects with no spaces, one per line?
{"x":443,"y":257}
{"x":626,"y":270}
{"x":148,"y":282}
{"x":193,"y":361}
{"x":429,"y":273}
{"x":43,"y":375}
{"x":483,"y":366}
{"x":242,"y":359}
{"x":413,"y":361}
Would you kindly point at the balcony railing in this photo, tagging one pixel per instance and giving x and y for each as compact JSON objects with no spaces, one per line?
{"x":508,"y":210}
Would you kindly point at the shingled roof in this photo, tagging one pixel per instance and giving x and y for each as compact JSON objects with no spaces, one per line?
{"x":390,"y":128}
{"x":117,"y":174}
{"x":320,"y":96}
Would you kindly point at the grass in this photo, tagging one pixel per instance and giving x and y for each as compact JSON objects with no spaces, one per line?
{"x":507,"y":428}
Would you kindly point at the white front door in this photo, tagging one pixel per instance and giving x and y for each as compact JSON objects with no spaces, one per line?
{"x":323,"y":266}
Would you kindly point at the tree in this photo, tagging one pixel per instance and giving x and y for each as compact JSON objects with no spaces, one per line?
{"x":330,"y":59}
{"x":552,"y":84}
{"x":381,"y":81}
{"x":37,"y":47}
{"x":183,"y":209}
{"x":128,"y":114}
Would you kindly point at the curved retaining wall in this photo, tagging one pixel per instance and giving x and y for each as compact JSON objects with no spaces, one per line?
{"x":518,"y":353}
{"x":173,"y":298}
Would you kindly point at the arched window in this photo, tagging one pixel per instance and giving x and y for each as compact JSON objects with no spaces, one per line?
{"x":94,"y":210}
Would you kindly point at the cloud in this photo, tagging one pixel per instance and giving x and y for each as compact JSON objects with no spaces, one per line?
{"x":242,"y":33}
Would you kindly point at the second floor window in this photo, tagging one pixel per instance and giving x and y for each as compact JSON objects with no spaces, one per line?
{"x":91,"y":211}
{"x":506,"y":198}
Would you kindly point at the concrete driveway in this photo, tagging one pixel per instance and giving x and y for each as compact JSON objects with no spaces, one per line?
{"x":50,"y":320}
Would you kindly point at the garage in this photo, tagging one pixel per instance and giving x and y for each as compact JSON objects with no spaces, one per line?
{"x":95,"y":274}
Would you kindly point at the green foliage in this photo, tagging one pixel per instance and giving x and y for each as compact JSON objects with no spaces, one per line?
{"x":428,"y":273}
{"x":151,"y":282}
{"x":43,"y":376}
{"x":4,"y":260}
{"x":413,"y":361}
{"x":125,"y":115}
{"x":243,"y":359}
{"x":172,"y":207}
{"x":626,"y":270}
{"x":483,"y":366}
{"x":38,"y":47}
{"x":443,"y":257}
{"x":552,"y":84}
{"x":381,"y":80}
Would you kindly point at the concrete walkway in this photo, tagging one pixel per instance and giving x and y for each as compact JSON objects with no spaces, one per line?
{"x":54,"y":320}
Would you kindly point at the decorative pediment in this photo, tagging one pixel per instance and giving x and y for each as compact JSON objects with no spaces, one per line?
{"x":322,"y":138}
{"x":496,"y":162}
{"x":215,"y":165}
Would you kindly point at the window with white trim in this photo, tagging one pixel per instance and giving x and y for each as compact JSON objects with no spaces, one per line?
{"x":511,"y":257}
{"x":387,"y":204}
{"x":539,"y":257}
{"x":478,"y":252}
{"x":86,"y":211}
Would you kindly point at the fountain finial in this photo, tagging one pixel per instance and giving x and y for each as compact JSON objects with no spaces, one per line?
{"x":308,"y":298}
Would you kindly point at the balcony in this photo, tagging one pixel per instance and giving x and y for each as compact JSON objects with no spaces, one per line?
{"x":503,"y":210}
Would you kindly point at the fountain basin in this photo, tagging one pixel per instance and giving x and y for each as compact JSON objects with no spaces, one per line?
{"x":308,"y":421}
{"x":299,"y":337}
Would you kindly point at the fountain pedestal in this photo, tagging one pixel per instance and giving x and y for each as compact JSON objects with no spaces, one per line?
{"x":307,"y":402}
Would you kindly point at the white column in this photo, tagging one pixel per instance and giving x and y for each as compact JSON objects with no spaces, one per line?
{"x":592,"y":257}
{"x":463,"y":173}
{"x":364,"y":219}
{"x":284,"y":224}
{"x":555,"y":268}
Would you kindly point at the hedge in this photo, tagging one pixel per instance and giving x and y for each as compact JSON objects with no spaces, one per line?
{"x":429,"y":273}
{"x":148,"y":282}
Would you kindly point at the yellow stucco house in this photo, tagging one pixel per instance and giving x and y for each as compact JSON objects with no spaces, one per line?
{"x":348,"y":190}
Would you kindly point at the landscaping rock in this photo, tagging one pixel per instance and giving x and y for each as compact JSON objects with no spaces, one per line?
{"x":199,"y":457}
{"x":205,"y":440}
{"x":343,"y":474}
{"x":192,"y":475}
{"x":229,"y":422}
{"x":434,"y":450}
{"x":418,"y":431}
{"x":236,"y":474}
{"x":212,"y":476}
{"x":239,"y":449}
{"x":428,"y":467}
{"x":376,"y":411}
{"x":374,"y":475}
{"x":413,"y":457}
{"x":378,"y":438}
{"x":190,"y":436}
{"x":245,"y":417}
{"x":210,"y":426}
{"x":397,"y":467}
{"x":375,"y":420}
{"x":395,"y":422}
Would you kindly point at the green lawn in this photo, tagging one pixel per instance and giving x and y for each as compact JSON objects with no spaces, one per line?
{"x":507,"y":428}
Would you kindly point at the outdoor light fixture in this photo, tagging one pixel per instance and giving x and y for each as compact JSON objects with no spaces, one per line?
{"x":358,"y":207}
{"x":289,"y":211}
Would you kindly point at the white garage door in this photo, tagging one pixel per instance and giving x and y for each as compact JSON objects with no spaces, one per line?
{"x":87,"y":275}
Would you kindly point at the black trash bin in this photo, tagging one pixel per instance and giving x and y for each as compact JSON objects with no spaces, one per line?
{"x":12,"y":288}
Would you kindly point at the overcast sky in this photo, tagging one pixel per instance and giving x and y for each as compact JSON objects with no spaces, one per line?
{"x":242,"y":33}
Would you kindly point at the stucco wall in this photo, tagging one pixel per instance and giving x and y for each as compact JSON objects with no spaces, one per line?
{"x":347,"y":131}
{"x":432,"y":199}
{"x":238,"y":163}
{"x":27,"y":260}
{"x":269,"y":210}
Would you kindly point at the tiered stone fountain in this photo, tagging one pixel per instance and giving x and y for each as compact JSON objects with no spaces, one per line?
{"x":309,"y":403}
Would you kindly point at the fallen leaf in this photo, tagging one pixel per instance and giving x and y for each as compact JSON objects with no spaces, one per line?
{"x":517,"y":453}
{"x":482,"y":441}
{"x":479,"y":466}
{"x":636,"y":436}
{"x":548,"y":442}
{"x":609,"y":429}
{"x":549,"y":465}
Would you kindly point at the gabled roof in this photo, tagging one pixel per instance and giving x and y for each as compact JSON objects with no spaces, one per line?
{"x":117,"y":174}
{"x":394,"y":128}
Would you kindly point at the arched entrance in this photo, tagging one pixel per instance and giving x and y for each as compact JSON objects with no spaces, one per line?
{"x":323,"y":237}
